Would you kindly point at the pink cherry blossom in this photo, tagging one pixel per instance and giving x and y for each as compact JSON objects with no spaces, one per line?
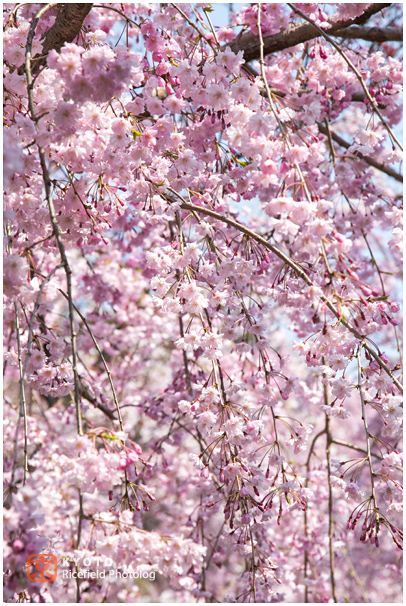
{"x":202,"y":255}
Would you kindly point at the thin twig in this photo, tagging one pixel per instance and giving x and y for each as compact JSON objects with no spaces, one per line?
{"x":253,"y":568}
{"x":367,"y":435}
{"x":371,"y":161}
{"x":353,"y":447}
{"x":181,"y":329}
{"x":81,"y":515}
{"x":330,"y":496}
{"x":354,"y":574}
{"x":330,"y":142}
{"x":306,"y":529}
{"x":23,"y":370}
{"x":269,"y":95}
{"x":23,"y":407}
{"x":34,"y":313}
{"x":55,"y":226}
{"x":103,"y":359}
{"x":110,"y":8}
{"x":213,"y":31}
{"x":180,"y":11}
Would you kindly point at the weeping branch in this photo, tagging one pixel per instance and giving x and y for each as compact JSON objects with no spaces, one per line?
{"x":371,"y":161}
{"x":51,"y":208}
{"x":296,"y":268}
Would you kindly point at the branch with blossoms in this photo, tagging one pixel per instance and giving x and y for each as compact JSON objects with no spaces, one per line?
{"x":250,"y":44}
{"x":224,"y":331}
{"x":299,"y":271}
{"x":55,"y":226}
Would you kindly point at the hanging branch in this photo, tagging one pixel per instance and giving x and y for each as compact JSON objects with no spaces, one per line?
{"x":329,"y":441}
{"x":354,"y":69}
{"x":23,"y":407}
{"x":371,"y":161}
{"x":106,"y":367}
{"x":367,"y":435}
{"x":296,"y":268}
{"x":51,"y":208}
{"x":306,"y":530}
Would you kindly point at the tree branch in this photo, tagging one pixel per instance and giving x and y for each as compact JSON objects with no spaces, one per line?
{"x":352,"y":67}
{"x":67,"y":26}
{"x":372,"y":34}
{"x":250,"y":44}
{"x":23,"y":406}
{"x":48,"y":192}
{"x":371,"y":161}
{"x":297,"y":269}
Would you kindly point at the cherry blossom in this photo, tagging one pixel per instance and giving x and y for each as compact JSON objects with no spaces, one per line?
{"x":202,"y":259}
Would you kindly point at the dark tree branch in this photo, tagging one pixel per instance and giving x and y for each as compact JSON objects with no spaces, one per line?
{"x":249,"y":43}
{"x":372,"y":34}
{"x":67,"y":26}
{"x":371,"y":161}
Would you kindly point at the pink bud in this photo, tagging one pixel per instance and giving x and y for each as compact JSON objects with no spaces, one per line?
{"x":137,"y":448}
{"x":244,"y":492}
{"x":245,"y":519}
{"x":322,"y":16}
{"x":367,"y":291}
{"x":132,"y":457}
{"x":18,"y":545}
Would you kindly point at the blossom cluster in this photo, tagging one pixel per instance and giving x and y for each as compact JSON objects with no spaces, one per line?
{"x":202,"y":309}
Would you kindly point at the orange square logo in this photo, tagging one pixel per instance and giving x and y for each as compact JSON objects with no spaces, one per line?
{"x":42,"y":567}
